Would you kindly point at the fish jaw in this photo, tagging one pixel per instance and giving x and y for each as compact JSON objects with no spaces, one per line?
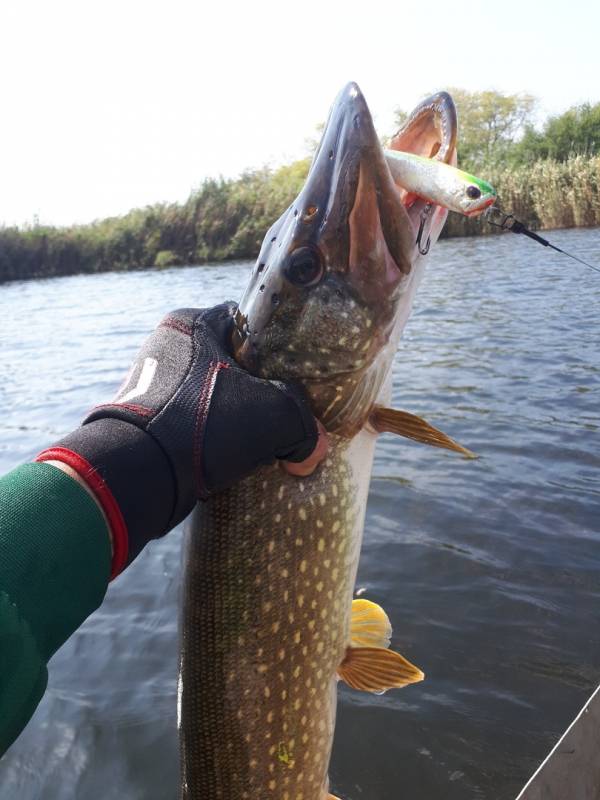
{"x":336,"y":274}
{"x":350,"y":217}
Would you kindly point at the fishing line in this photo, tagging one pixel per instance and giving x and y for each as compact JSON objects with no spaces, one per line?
{"x":507,"y":222}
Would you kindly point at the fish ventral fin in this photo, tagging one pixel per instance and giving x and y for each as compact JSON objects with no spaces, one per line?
{"x":376,"y":669}
{"x":402,"y":423}
{"x":369,"y":625}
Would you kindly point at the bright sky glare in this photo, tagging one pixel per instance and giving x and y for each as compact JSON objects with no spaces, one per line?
{"x":112,"y":105}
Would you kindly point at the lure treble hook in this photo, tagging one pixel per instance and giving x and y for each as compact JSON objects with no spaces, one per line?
{"x":424,"y":215}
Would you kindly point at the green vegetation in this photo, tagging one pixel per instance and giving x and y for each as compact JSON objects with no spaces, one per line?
{"x":548,"y":179}
{"x":576,"y":132}
{"x":224,"y":219}
{"x":542,"y":194}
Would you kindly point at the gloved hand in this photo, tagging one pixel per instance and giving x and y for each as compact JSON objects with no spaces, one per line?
{"x":187,"y":421}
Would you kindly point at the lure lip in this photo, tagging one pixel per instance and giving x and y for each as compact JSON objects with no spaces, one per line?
{"x":481,"y":209}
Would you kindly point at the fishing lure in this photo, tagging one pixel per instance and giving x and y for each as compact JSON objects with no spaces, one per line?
{"x":440,"y":183}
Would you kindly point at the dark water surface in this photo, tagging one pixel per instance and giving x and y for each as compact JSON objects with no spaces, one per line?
{"x":489,"y":569}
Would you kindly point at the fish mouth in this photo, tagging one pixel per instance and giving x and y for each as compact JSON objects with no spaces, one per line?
{"x":345,"y":250}
{"x":350,"y":207}
{"x":350,"y":199}
{"x":361,"y":223}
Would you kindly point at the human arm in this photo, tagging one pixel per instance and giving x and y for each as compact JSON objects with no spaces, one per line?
{"x":55,"y":561}
{"x":118,"y":479}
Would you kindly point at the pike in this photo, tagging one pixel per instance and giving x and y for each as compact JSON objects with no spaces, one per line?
{"x":269,"y":624}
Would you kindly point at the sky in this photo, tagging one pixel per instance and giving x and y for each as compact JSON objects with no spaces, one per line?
{"x":107,"y":106}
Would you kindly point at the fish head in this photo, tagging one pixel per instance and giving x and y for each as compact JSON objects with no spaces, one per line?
{"x":334,"y":281}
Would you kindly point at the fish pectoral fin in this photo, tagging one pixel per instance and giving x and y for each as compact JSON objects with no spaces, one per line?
{"x":332,"y":797}
{"x":369,"y":625}
{"x":390,"y":420}
{"x":375,"y":669}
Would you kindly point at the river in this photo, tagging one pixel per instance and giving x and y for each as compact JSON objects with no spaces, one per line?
{"x":488,"y":569}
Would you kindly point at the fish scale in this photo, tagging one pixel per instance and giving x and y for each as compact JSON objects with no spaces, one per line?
{"x":269,"y":578}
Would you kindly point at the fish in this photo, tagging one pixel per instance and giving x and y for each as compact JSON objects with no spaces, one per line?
{"x":441,"y":183}
{"x":269,"y":624}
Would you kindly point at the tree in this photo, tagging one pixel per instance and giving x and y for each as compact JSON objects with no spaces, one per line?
{"x":576,"y":132}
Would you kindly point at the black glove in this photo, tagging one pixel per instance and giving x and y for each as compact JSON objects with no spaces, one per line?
{"x":187,"y":421}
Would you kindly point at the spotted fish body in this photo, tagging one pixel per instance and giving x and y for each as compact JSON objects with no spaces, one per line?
{"x":267,"y":618}
{"x":268,"y":594}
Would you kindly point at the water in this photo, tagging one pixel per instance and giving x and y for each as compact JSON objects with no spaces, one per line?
{"x":488,"y":568}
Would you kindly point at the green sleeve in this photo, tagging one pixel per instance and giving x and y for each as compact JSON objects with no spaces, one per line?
{"x":54,"y":570}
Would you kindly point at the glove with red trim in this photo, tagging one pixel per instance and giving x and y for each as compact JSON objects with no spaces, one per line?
{"x":187,"y":422}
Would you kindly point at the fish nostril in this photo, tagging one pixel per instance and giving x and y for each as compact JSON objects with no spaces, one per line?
{"x":260,"y":268}
{"x":275,"y":299}
{"x":261,"y":288}
{"x":274,"y":239}
{"x":310,"y":213}
{"x":331,"y":154}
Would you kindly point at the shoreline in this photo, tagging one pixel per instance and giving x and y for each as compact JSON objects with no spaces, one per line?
{"x":224,"y":262}
{"x":479,"y":231}
{"x":226,"y":220}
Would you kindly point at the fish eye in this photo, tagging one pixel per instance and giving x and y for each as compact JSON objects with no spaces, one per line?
{"x":473,"y":192}
{"x":304,"y":267}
